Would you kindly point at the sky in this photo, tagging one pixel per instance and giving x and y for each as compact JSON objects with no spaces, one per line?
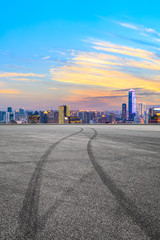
{"x":86,"y":54}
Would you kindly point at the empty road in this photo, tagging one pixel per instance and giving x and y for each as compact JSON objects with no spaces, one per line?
{"x":80,"y":182}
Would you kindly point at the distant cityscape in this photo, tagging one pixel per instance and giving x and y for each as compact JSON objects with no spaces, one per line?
{"x":133,"y":114}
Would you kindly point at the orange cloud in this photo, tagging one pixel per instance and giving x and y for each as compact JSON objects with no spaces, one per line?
{"x":10,"y":91}
{"x":103,"y":60}
{"x":101,"y":77}
{"x":134,"y":52}
{"x":13,"y":74}
{"x":25,"y":80}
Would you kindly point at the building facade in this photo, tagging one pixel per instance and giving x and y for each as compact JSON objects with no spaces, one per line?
{"x":64,"y":114}
{"x":131,"y":104}
{"x":124,"y":112}
{"x":141,"y":109}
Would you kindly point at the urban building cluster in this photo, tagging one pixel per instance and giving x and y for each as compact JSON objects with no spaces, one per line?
{"x":138,"y":113}
{"x":133,"y":114}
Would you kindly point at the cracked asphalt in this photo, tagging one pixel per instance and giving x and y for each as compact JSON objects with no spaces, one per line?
{"x":80,"y":182}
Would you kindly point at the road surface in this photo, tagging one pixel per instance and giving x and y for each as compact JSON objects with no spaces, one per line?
{"x":80,"y":182}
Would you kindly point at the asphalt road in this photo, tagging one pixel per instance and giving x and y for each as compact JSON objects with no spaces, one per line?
{"x":80,"y":182}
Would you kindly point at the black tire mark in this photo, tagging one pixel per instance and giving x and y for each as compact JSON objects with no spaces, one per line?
{"x":147,"y":223}
{"x":29,"y":212}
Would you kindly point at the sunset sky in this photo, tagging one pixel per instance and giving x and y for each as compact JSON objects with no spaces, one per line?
{"x":86,"y":54}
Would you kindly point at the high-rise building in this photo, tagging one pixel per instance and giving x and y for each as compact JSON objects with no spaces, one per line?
{"x":56,"y":117}
{"x":141,"y":109}
{"x":86,"y":117}
{"x":131,"y":104}
{"x":21,"y":111}
{"x":9,"y":109}
{"x":10,"y":116}
{"x":80,"y":114}
{"x":64,"y":114}
{"x":124,"y":112}
{"x":61,"y":114}
{"x":2,"y":116}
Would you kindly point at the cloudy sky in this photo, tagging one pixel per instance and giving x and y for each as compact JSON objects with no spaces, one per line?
{"x":86,"y":54}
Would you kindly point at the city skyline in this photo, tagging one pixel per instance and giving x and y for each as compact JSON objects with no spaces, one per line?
{"x":137,"y":114}
{"x":87,"y":57}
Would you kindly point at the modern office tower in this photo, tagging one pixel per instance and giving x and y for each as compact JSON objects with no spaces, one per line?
{"x":151,"y":112}
{"x":92,"y":115}
{"x":131,"y":104}
{"x":3,"y":116}
{"x":64,"y":114}
{"x":80,"y":114}
{"x":61,"y":114}
{"x":146,"y":117}
{"x":141,"y":109}
{"x":66,"y":111}
{"x":9,"y":109}
{"x":44,"y":117}
{"x":98,"y":114}
{"x":10,"y":116}
{"x":124,"y":112}
{"x":50,"y":116}
{"x":56,"y":117}
{"x":86,"y":117}
{"x":21,"y":111}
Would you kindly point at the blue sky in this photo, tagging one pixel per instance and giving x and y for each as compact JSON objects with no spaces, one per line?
{"x":86,"y":54}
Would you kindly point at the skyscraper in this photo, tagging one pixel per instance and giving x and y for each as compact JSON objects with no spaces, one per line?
{"x":56,"y":117}
{"x":131,"y":104}
{"x":141,"y":109}
{"x":10,"y":116}
{"x":124,"y":112}
{"x":64,"y":114}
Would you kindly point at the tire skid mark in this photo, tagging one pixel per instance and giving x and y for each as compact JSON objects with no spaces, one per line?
{"x":146,"y":222}
{"x":28,"y":223}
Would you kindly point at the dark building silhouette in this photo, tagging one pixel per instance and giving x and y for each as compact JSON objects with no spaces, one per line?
{"x":112,"y":118}
{"x":154,"y":115}
{"x":86,"y":117}
{"x":124,"y":112}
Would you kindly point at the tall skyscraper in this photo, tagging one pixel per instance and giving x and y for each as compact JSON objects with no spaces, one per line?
{"x":64,"y":114}
{"x":131,"y":104}
{"x":10,"y":116}
{"x":141,"y":109}
{"x":124,"y":112}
